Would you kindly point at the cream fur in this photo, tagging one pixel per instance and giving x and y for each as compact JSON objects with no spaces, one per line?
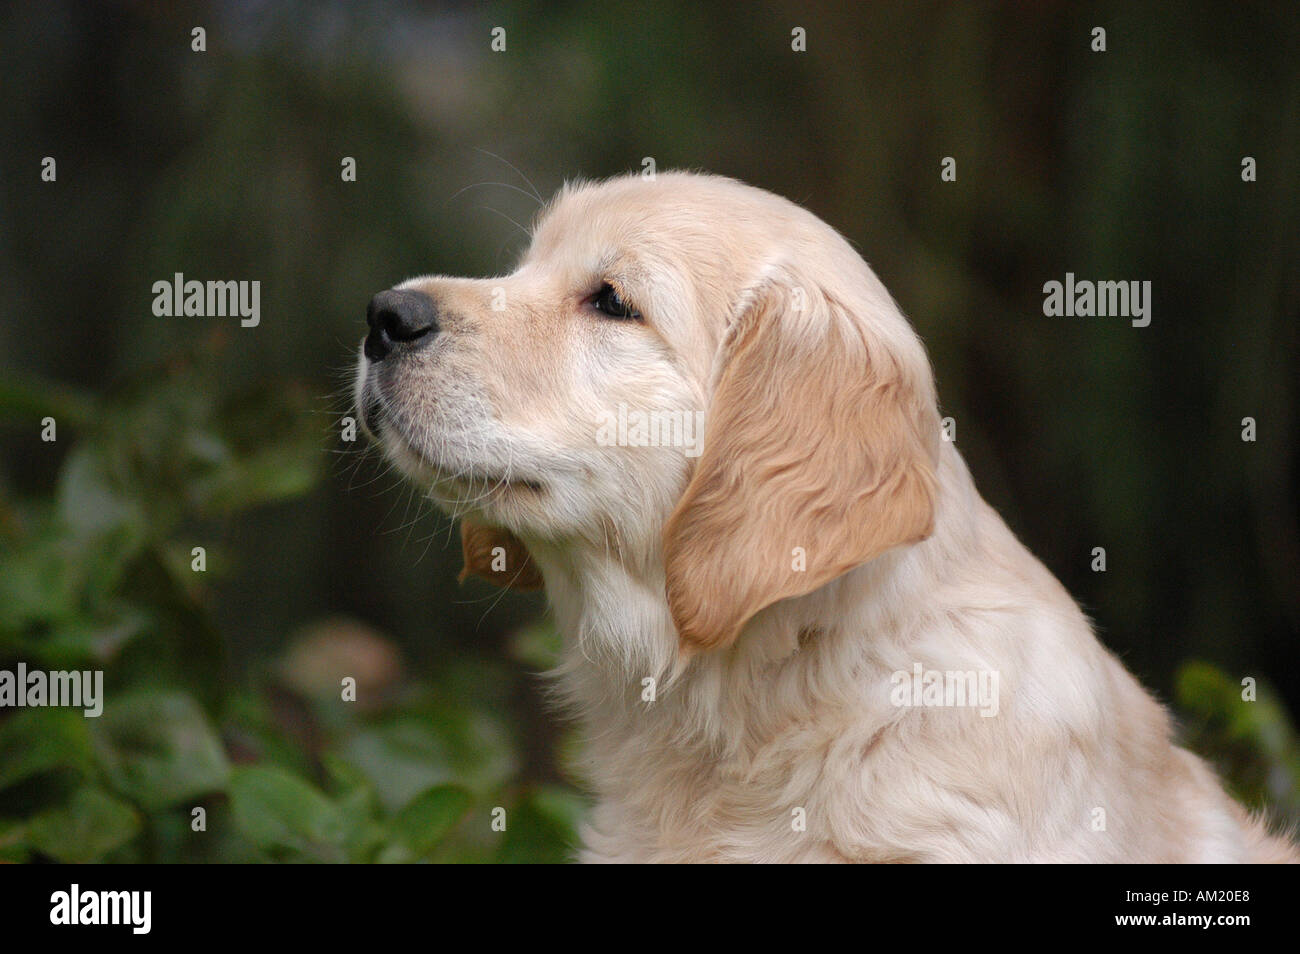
{"x":773,"y":683}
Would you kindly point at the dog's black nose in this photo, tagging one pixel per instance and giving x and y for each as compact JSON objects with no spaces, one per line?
{"x":396,"y":318}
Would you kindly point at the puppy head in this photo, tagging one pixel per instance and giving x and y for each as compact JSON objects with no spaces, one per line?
{"x":561,"y":402}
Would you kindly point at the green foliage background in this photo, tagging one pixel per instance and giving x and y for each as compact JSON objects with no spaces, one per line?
{"x":223,"y":686}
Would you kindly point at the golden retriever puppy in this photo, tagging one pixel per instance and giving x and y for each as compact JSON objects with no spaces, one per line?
{"x":793,"y":629}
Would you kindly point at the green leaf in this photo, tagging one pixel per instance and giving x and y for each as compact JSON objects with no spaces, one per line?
{"x":542,"y":828}
{"x":33,"y":741}
{"x":270,"y":475}
{"x":89,"y":826}
{"x":83,"y":641}
{"x":31,"y":399}
{"x":1251,"y":741}
{"x":345,"y":777}
{"x":39,"y":576}
{"x":401,"y":759}
{"x":418,"y":828}
{"x":278,"y":810}
{"x":159,"y":749}
{"x":1212,"y":694}
{"x":414,"y":751}
{"x":13,"y":849}
{"x":90,"y":501}
{"x":357,"y":802}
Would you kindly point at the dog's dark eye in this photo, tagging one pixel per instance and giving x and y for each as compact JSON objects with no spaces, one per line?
{"x":608,"y":301}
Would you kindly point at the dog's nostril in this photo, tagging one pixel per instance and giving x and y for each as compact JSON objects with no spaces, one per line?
{"x":398,"y":317}
{"x":399,"y":328}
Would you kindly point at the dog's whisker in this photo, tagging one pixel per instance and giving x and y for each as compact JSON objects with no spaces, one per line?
{"x":524,"y":231}
{"x":479,"y":185}
{"x":535,"y":194}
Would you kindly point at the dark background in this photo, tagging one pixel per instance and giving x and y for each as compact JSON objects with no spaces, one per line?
{"x":225,"y":164}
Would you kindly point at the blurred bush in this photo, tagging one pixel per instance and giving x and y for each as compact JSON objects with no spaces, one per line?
{"x":99,"y":575}
{"x":1243,"y":728}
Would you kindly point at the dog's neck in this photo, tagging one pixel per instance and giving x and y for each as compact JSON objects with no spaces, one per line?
{"x":622,"y":658}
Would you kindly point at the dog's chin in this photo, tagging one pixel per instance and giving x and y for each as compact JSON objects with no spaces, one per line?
{"x":458,"y":487}
{"x":474,"y":484}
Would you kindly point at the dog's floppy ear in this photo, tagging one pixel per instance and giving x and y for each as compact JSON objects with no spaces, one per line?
{"x":820,"y":455}
{"x":496,"y":555}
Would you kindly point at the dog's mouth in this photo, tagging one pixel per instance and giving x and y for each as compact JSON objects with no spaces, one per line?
{"x":468,"y":481}
{"x":480,"y":481}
